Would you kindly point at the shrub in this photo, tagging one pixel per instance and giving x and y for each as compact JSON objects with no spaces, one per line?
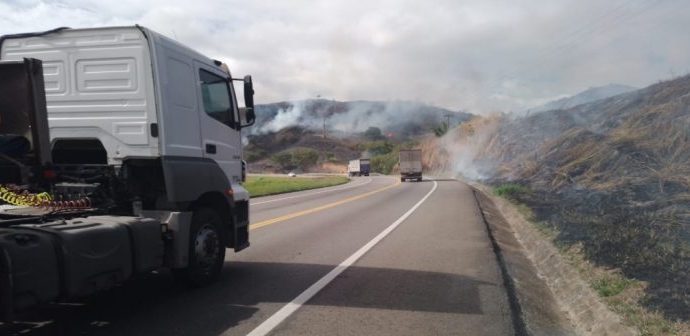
{"x":283,"y":160}
{"x":384,"y":164}
{"x":304,"y":158}
{"x":301,"y":158}
{"x":512,"y":191}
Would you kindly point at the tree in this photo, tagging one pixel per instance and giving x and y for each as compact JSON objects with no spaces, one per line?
{"x":380,"y":147}
{"x":298,"y":158}
{"x":373,"y":133}
{"x":441,"y":130}
{"x":384,"y":164}
{"x":304,"y":158}
{"x":283,"y":159}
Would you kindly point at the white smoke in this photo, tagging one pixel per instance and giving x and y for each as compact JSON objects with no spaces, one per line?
{"x":465,"y":148}
{"x":290,"y":116}
{"x":354,"y":117}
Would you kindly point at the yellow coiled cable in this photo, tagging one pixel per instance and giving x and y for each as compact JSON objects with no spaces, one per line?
{"x":23,"y":198}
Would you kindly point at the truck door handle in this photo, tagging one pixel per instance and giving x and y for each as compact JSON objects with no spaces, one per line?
{"x":211,"y":149}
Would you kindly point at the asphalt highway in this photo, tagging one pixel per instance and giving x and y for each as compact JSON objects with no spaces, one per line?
{"x":371,"y":257}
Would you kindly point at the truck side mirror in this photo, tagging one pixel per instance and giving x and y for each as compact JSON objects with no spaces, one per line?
{"x":250,"y":116}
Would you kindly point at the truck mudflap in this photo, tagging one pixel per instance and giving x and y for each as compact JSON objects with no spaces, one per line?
{"x":29,"y":270}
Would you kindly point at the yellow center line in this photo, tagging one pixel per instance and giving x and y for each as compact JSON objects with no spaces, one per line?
{"x":320,"y":208}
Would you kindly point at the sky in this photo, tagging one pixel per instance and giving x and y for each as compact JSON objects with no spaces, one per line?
{"x":478,"y":56}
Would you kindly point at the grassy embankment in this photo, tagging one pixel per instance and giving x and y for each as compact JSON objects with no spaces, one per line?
{"x":623,"y":294}
{"x":271,"y":185}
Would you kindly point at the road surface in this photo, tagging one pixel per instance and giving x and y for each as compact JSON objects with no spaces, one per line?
{"x":372,"y":257}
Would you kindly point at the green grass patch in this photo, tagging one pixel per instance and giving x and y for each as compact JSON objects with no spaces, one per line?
{"x":511,"y":190}
{"x":611,"y":285}
{"x":272,"y":185}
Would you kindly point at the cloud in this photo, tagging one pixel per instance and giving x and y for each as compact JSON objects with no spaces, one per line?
{"x":480,"y":56}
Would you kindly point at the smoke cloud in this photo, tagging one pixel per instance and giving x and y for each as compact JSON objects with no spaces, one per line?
{"x":394,"y":117}
{"x":462,"y":152}
{"x":479,"y":56}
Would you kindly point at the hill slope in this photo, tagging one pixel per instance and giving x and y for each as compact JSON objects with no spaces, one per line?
{"x":611,"y":175}
{"x":401,"y":118}
{"x":589,"y":95}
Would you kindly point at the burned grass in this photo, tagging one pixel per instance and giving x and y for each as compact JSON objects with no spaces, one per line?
{"x":611,"y":178}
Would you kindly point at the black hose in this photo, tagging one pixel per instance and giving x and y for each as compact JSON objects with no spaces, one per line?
{"x":17,"y":221}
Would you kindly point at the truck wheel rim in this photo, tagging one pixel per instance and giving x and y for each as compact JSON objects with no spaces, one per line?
{"x":206,"y":247}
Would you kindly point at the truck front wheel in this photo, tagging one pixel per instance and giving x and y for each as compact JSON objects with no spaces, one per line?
{"x":206,"y":249}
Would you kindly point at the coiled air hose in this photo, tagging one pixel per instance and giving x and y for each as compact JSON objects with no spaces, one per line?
{"x":23,"y":198}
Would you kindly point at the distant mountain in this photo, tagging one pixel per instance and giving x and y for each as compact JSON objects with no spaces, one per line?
{"x":589,"y":95}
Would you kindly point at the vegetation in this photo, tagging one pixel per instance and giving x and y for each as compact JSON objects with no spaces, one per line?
{"x":271,"y":185}
{"x":623,"y":295}
{"x":254,"y":154}
{"x":611,"y":285}
{"x":441,"y":130}
{"x":512,"y":191}
{"x":385,"y":164}
{"x":298,"y":158}
{"x":373,"y":133}
{"x":377,"y":147}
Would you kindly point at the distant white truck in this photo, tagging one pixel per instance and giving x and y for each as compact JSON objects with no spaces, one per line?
{"x":410,"y":164}
{"x":359,"y":167}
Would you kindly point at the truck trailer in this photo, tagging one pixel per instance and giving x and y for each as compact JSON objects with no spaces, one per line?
{"x":120,"y":153}
{"x":410,"y":165}
{"x":359,"y":167}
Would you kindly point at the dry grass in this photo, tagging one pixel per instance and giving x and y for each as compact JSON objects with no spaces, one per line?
{"x":612,"y":177}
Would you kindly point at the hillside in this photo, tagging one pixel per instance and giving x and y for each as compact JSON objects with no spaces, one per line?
{"x":398,"y":118}
{"x":262,"y":148}
{"x":589,"y":95}
{"x":612,"y":175}
{"x":352,"y":130}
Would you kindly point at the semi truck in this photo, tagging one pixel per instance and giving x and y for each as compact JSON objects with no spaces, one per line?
{"x":120,"y":154}
{"x":410,"y":165}
{"x":359,"y":167}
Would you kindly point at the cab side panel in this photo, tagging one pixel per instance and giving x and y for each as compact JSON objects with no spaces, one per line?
{"x":98,"y":86}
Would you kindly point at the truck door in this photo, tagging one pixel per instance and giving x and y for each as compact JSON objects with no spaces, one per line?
{"x":219,"y":121}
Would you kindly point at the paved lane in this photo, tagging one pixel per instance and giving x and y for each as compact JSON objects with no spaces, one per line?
{"x":434,"y":274}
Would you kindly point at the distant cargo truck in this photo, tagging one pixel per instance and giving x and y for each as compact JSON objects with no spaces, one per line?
{"x":411,"y":164}
{"x":359,"y":167}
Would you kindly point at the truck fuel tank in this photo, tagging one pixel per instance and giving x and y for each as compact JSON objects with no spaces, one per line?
{"x":28,"y":270}
{"x":94,"y":255}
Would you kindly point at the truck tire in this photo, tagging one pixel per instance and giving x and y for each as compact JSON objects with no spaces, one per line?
{"x":402,"y":179}
{"x":206,"y":249}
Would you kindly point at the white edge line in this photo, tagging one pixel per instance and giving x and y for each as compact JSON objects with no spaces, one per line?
{"x":314,"y":193}
{"x":268,"y":325}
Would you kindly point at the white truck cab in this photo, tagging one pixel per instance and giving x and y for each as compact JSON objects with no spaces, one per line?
{"x":139,"y":94}
{"x":135,"y":128}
